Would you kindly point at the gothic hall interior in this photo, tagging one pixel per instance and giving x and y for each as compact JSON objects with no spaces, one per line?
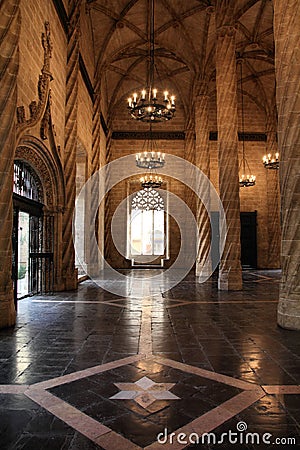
{"x":149,"y":224}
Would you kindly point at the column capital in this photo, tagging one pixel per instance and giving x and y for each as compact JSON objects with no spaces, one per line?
{"x":74,"y":13}
{"x":190,"y":131}
{"x":271,"y":121}
{"x":210,"y":10}
{"x":226,"y":30}
{"x":201,"y":88}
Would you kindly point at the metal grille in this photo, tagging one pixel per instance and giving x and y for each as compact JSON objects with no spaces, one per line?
{"x":26,"y":183}
{"x":41,"y":254}
{"x":147,"y":199}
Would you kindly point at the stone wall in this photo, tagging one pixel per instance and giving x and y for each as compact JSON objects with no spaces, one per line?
{"x":33,"y":16}
{"x":121,"y":148}
{"x":123,"y":122}
{"x":251,"y":199}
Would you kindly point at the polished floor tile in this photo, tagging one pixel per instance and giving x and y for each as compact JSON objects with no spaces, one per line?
{"x":90,"y":370}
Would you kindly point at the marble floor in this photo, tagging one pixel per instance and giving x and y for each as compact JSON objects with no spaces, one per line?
{"x":192,"y":367}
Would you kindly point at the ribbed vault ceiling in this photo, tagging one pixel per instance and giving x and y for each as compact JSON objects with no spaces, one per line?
{"x":184,"y":47}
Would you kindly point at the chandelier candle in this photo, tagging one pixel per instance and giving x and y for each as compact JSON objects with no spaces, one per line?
{"x":148,"y":107}
{"x":271,"y":161}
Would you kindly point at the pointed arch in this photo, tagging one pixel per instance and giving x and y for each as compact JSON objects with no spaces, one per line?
{"x":47,"y":164}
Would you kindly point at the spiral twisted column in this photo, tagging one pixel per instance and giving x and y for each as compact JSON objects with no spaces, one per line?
{"x":102,"y":161}
{"x":95,"y":166}
{"x":287,"y":70}
{"x":189,"y":155}
{"x":273,"y":196}
{"x":230,"y":272}
{"x":108,"y":211}
{"x":69,"y":271}
{"x":9,"y":65}
{"x":96,"y":132}
{"x":202,"y":161}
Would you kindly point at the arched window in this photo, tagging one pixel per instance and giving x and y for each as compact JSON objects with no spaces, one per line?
{"x":147,"y":224}
{"x":26,"y":183}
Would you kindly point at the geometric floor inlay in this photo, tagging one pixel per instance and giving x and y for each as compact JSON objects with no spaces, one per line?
{"x":144,"y":392}
{"x":126,"y":403}
{"x":146,"y":409}
{"x":87,"y":401}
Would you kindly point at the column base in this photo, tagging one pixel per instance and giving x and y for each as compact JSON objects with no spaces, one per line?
{"x":71,"y":283}
{"x":7,"y":311}
{"x":93,"y":270}
{"x":288,"y":322}
{"x":230,"y":280}
{"x":70,"y":280}
{"x":288,"y":313}
{"x":272,"y":265}
{"x":203,"y":273}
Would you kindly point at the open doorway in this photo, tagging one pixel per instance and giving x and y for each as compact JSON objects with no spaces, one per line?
{"x":23,"y":255}
{"x":32,"y":238}
{"x":249,"y":239}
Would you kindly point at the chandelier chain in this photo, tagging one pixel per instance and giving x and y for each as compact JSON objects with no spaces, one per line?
{"x":245,"y":180}
{"x":148,"y":107}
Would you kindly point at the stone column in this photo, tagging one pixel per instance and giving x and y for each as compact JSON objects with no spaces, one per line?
{"x":287,"y":70}
{"x":108,"y":242}
{"x":189,"y":155}
{"x":10,"y":23}
{"x":102,"y":181}
{"x":202,"y":161}
{"x":273,"y":196}
{"x":95,"y":166}
{"x":69,"y":271}
{"x":230,"y":272}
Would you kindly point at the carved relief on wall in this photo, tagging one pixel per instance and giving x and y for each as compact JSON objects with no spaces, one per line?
{"x":38,"y":110}
{"x":46,"y":122}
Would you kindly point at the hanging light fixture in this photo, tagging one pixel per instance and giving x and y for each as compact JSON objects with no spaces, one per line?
{"x":151,"y":181}
{"x":271,"y":161}
{"x":146,"y":106}
{"x":150,"y":159}
{"x":246,"y":179}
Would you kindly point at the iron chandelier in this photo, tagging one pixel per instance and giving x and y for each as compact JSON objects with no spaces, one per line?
{"x":271,"y":161}
{"x":150,"y":159}
{"x":147,"y":107}
{"x":151,"y":181}
{"x":246,"y":179}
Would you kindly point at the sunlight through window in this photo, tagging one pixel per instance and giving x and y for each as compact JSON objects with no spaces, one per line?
{"x":147,"y":224}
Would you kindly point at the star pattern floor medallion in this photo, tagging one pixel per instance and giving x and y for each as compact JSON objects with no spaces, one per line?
{"x":144,"y":392}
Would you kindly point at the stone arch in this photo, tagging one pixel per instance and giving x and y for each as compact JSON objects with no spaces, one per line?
{"x":31,"y":187}
{"x":49,"y":169}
